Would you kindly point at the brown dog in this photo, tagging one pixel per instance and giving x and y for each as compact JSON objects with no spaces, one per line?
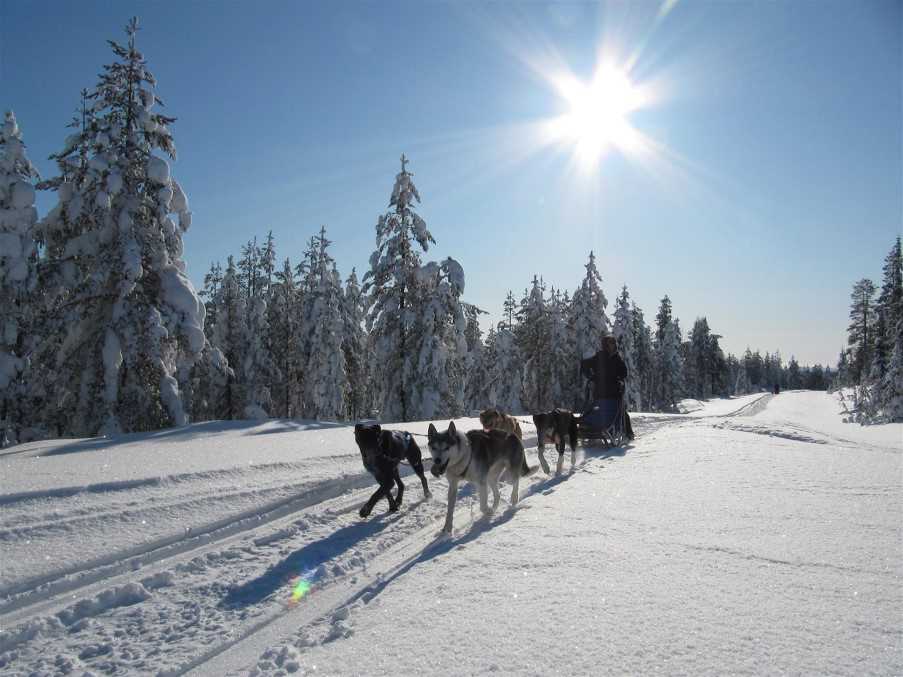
{"x":493,"y":419}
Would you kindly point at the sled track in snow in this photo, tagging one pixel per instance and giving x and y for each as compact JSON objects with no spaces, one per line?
{"x":31,"y":591}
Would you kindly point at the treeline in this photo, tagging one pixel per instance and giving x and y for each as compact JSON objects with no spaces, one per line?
{"x":872,"y":362}
{"x":101,"y":331}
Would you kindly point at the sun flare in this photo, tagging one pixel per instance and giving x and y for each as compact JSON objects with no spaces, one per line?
{"x":598,"y":118}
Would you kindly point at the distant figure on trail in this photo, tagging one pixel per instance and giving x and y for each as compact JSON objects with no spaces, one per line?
{"x":777,"y":389}
{"x":608,"y":373}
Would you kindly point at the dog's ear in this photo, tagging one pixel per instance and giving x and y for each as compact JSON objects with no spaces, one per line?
{"x":451,"y":428}
{"x":432,"y":432}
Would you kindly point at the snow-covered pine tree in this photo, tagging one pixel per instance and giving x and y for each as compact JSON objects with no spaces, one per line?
{"x":357,"y":364}
{"x":588,"y":310}
{"x":503,"y":361}
{"x":440,"y":377}
{"x":623,"y":332}
{"x":534,"y":337}
{"x":325,"y":383}
{"x":699,"y":367}
{"x":392,"y":290}
{"x":229,"y":339}
{"x":210,"y":292}
{"x":669,"y":364}
{"x":18,"y":280}
{"x":861,"y":329}
{"x":132,"y":316}
{"x":474,"y":366}
{"x":284,"y":313}
{"x":563,"y":381}
{"x":644,"y":357}
{"x":794,"y":375}
{"x":267,"y":262}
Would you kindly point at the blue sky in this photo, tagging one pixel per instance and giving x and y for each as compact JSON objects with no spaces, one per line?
{"x":776,"y":183}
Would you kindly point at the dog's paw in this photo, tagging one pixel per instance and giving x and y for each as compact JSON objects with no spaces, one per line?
{"x":363,"y":512}
{"x":393,"y":507}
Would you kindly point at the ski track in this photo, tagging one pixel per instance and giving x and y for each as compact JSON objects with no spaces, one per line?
{"x":206,"y":595}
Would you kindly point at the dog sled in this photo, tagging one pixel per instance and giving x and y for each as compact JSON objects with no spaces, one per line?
{"x":602,"y":422}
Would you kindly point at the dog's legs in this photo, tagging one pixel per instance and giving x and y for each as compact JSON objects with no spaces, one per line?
{"x":400,"y":488}
{"x":559,"y":447}
{"x":573,"y":457}
{"x":418,"y":468}
{"x":368,"y":506}
{"x":542,"y":459}
{"x":452,"y":495}
{"x":514,"y":487}
{"x":483,"y":490}
{"x":494,"y":485}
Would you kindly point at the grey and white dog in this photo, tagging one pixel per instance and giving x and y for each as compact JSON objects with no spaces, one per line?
{"x":479,"y":457}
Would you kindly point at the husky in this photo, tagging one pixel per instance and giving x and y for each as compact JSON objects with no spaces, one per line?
{"x":555,"y":426}
{"x":381,"y":452}
{"x":479,"y":457}
{"x":493,"y":419}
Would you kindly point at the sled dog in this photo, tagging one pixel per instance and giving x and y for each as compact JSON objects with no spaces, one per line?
{"x":493,"y":419}
{"x":381,"y":452}
{"x":478,"y":457}
{"x":555,"y":427}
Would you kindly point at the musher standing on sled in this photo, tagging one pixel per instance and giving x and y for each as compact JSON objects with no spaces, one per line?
{"x":608,"y":373}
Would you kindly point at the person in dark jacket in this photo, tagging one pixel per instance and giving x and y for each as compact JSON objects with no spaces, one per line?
{"x":608,"y":374}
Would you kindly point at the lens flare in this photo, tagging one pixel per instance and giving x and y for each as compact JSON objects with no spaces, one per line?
{"x":300,"y":587}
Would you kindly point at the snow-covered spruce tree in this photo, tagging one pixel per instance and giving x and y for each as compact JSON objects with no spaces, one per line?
{"x":267,"y":259}
{"x":699,"y":367}
{"x":354,"y":347}
{"x":503,"y":386}
{"x":393,"y":298}
{"x":258,"y":366}
{"x":644,"y":357}
{"x":861,"y":329}
{"x":534,"y":338}
{"x":210,"y":292}
{"x":326,"y":383}
{"x":588,"y":310}
{"x":623,"y":332}
{"x":131,"y":314}
{"x":563,"y":379}
{"x":439,"y":380}
{"x":229,"y":339}
{"x":889,"y":312}
{"x":892,"y":383}
{"x":18,"y":280}
{"x":669,"y":364}
{"x":794,"y":379}
{"x":474,"y":366}
{"x":284,"y":316}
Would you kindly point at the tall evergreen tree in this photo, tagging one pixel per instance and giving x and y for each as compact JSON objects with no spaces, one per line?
{"x":644,"y":358}
{"x":131,"y":314}
{"x":393,"y":291}
{"x":669,"y":363}
{"x":326,"y":381}
{"x":284,"y":317}
{"x":623,"y":331}
{"x":534,"y":337}
{"x":357,"y":364}
{"x":861,"y":329}
{"x":18,"y":280}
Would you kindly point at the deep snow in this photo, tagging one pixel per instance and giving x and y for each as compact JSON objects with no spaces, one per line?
{"x":759,"y":534}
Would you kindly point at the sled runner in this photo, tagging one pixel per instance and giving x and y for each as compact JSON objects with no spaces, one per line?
{"x":603,"y":421}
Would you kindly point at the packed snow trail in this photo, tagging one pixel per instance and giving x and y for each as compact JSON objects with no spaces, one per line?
{"x":710,"y":549}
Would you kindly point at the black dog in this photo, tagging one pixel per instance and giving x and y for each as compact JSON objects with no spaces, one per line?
{"x":381,"y":451}
{"x":555,"y":427}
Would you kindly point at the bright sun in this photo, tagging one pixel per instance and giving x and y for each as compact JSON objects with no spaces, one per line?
{"x":598,"y":116}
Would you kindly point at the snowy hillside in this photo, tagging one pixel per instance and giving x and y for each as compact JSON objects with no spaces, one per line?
{"x":759,"y":534}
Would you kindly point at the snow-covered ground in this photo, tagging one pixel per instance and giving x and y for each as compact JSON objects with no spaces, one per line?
{"x":760,"y":534}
